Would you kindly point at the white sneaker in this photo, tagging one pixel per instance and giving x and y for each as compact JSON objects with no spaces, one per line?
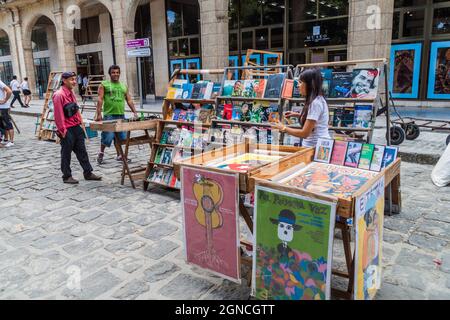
{"x":9,"y":144}
{"x":4,"y":142}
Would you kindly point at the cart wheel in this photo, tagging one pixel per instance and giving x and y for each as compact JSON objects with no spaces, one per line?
{"x":397,"y":135}
{"x":448,"y":140}
{"x":412,"y":131}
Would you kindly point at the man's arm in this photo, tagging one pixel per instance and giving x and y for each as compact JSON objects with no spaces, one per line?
{"x":131,"y":104}
{"x":8,"y":94}
{"x":59,"y":114}
{"x":101,"y":93}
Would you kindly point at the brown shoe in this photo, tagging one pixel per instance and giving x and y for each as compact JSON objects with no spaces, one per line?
{"x":70,"y":180}
{"x":92,"y":176}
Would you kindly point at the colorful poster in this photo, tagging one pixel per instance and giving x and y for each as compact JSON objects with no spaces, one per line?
{"x":210,"y":219}
{"x":364,"y":84}
{"x":243,"y":162}
{"x":324,"y":149}
{"x":341,"y":182}
{"x":439,"y":75}
{"x":369,"y":238}
{"x":293,"y":246}
{"x":404,"y":72}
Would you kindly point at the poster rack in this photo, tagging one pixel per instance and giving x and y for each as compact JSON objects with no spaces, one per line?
{"x":341,"y":103}
{"x":169,"y":104}
{"x":47,"y":125}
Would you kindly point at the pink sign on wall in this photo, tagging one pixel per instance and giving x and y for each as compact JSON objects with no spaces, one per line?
{"x":210,"y":219}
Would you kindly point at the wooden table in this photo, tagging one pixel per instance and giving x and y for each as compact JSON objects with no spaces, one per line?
{"x":118,"y":126}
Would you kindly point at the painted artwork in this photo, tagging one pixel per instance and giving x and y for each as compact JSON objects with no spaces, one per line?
{"x":338,"y":181}
{"x":210,"y":220}
{"x":405,"y":71}
{"x":439,"y":76}
{"x":294,"y":242}
{"x":369,"y":238}
{"x":244,"y":162}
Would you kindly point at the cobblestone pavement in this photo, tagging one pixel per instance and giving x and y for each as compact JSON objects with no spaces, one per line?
{"x":127,"y":244}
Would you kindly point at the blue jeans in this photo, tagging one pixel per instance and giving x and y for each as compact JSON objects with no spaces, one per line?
{"x":108,"y":137}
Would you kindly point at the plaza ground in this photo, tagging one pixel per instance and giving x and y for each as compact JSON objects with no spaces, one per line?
{"x":127,"y":244}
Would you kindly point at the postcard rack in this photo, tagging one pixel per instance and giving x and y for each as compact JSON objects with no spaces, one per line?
{"x":253,"y":72}
{"x":340,"y":104}
{"x":167,"y":122}
{"x":47,"y":126}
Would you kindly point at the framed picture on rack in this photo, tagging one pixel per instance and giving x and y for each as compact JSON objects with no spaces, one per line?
{"x":193,"y":64}
{"x":439,"y":73}
{"x":255,"y":58}
{"x":271,"y":59}
{"x":233,"y":61}
{"x":404,"y":71}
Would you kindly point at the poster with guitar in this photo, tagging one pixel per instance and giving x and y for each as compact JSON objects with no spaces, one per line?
{"x":211,"y":221}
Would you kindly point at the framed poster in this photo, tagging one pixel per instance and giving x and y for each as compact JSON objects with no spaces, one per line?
{"x":369,"y":213}
{"x":439,"y":73}
{"x":404,"y":71}
{"x":177,"y":64}
{"x":233,"y":61}
{"x":293,"y":246}
{"x":193,"y":64}
{"x":210,"y":204}
{"x":270,"y":59}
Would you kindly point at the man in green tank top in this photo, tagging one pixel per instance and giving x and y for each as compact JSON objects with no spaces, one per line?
{"x":112,"y":95}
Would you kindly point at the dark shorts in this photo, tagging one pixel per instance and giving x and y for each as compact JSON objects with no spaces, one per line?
{"x":108,"y":137}
{"x":5,"y":120}
{"x":26,"y":92}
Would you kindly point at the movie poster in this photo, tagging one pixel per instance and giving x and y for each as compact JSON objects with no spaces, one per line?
{"x":210,"y":220}
{"x":405,"y":70}
{"x":293,"y":246}
{"x":439,"y":78}
{"x":369,"y":238}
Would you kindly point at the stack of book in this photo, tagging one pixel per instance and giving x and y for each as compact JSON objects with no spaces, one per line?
{"x":355,"y":154}
{"x":181,"y":89}
{"x":164,"y":176}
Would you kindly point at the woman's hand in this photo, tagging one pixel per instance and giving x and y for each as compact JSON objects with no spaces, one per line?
{"x":279,"y":126}
{"x":289,"y":114}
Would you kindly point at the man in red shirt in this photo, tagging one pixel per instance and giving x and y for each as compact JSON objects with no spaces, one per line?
{"x":68,"y":122}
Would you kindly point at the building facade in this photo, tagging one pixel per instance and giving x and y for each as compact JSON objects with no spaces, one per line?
{"x":37,"y":37}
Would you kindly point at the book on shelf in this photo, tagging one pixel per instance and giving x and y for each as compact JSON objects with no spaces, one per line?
{"x":164,"y":136}
{"x":353,"y":154}
{"x":204,"y":115}
{"x":166,"y":156}
{"x":238,"y":88}
{"x":164,"y":176}
{"x":158,"y":155}
{"x":324,"y":148}
{"x":259,"y":86}
{"x":296,"y":88}
{"x":343,"y":117}
{"x":327,"y":75}
{"x":208,"y":90}
{"x":249,"y":90}
{"x":228,"y":86}
{"x":364,"y":83}
{"x":274,"y":85}
{"x":366,"y":156}
{"x":362,"y":116}
{"x":187,"y":91}
{"x":288,"y":88}
{"x":390,"y":155}
{"x":171,"y":93}
{"x":185,"y":138}
{"x":178,"y":83}
{"x":339,"y":151}
{"x":341,"y":84}
{"x":215,"y":90}
{"x":377,"y":159}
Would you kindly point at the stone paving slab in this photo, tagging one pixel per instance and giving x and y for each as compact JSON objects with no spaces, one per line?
{"x":100,"y":240}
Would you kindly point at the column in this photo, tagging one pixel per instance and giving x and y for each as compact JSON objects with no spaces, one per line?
{"x":214,"y":34}
{"x":159,"y":47}
{"x":66,"y":44}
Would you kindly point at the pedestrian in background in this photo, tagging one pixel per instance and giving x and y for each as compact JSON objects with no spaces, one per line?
{"x":80,"y":84}
{"x":26,"y":92}
{"x":5,"y":119}
{"x":68,"y":124}
{"x":15,"y":87}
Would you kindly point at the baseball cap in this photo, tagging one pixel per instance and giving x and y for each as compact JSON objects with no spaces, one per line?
{"x":67,"y":75}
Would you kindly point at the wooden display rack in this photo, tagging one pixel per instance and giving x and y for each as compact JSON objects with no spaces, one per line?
{"x":254,"y":72}
{"x":345,"y":211}
{"x":47,"y":115}
{"x":117,"y":126}
{"x":251,"y":73}
{"x":340,"y":103}
{"x":167,"y":109}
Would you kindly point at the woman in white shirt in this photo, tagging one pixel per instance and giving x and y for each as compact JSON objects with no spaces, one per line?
{"x":314,"y":116}
{"x":26,"y":92}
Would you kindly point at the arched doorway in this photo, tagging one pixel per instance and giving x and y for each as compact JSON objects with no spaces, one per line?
{"x":94,"y":41}
{"x":6,"y":69}
{"x":45,"y":52}
{"x":143,"y":29}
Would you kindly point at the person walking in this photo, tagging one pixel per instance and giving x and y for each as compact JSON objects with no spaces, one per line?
{"x":80,"y":84}
{"x":5,"y":119}
{"x":69,"y":130}
{"x":112,"y":95}
{"x":26,"y":92}
{"x":15,"y":87}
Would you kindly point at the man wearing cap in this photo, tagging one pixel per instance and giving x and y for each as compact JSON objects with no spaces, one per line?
{"x":68,"y":122}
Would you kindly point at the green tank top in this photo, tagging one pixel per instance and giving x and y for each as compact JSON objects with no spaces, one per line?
{"x":114,"y":98}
